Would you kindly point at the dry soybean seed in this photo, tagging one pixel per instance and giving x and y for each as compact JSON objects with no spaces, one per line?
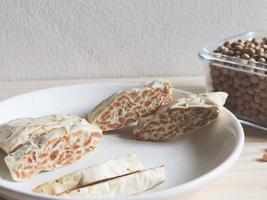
{"x":245,"y":56}
{"x":254,"y":79}
{"x":226,"y":44}
{"x":251,"y":45}
{"x":252,"y":60}
{"x":261,"y":60}
{"x":251,"y":51}
{"x":238,"y":48}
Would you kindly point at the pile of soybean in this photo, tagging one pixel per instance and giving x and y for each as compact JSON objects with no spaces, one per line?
{"x":246,"y":85}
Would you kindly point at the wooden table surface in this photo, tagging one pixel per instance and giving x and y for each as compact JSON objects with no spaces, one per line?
{"x":247,"y":178}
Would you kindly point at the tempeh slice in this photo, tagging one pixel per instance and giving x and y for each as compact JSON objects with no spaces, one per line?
{"x":180,"y":117}
{"x":52,"y":142}
{"x":107,"y":170}
{"x":123,"y":108}
{"x":122,"y":186}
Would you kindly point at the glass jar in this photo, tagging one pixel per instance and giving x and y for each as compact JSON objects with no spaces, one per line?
{"x":243,"y":80}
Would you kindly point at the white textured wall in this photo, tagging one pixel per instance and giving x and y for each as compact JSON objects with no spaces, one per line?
{"x":42,"y":39}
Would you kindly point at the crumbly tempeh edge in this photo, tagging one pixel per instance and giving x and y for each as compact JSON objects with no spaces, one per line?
{"x":181,"y":116}
{"x":122,"y":186}
{"x":57,"y":147}
{"x":107,"y":170}
{"x":217,"y":98}
{"x":123,"y":108}
{"x":15,"y":133}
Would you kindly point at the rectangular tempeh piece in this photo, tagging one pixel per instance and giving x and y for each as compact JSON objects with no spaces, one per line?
{"x":123,"y":108}
{"x":122,"y":186}
{"x":107,"y":170}
{"x":180,"y":116}
{"x":46,"y":143}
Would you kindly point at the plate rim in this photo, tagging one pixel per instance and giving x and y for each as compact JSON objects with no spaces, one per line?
{"x":165,"y":193}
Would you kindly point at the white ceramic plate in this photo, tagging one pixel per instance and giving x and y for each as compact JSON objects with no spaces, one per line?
{"x":191,"y":161}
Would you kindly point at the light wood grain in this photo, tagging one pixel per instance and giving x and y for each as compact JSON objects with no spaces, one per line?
{"x":246,"y":180}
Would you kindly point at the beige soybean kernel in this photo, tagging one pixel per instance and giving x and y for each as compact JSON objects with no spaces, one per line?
{"x":225,"y":71}
{"x":237,"y":81}
{"x":254,"y":105}
{"x":247,"y":97}
{"x":250,"y":90}
{"x":242,"y":89}
{"x":264,"y":103}
{"x":262,"y":117}
{"x":214,"y":71}
{"x":254,"y":111}
{"x":254,"y":79}
{"x":257,"y":99}
{"x":232,"y":73}
{"x":263,"y":84}
{"x":247,"y":112}
{"x":247,"y":105}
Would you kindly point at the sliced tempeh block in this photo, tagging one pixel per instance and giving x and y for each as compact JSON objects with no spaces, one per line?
{"x":41,"y":144}
{"x":181,"y":116}
{"x":122,"y":186}
{"x":107,"y":170}
{"x":123,"y":108}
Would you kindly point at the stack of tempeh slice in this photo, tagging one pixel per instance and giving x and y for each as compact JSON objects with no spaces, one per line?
{"x":157,"y":114}
{"x":119,"y":177}
{"x":46,"y":143}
